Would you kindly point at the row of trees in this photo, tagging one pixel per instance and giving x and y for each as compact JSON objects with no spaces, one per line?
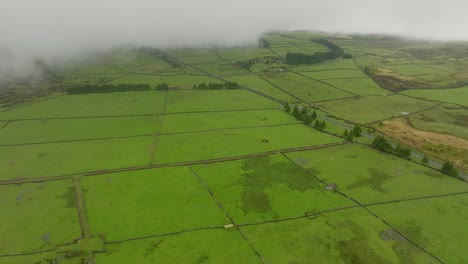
{"x":356,"y":131}
{"x":302,"y":115}
{"x":216,"y":86}
{"x":382,"y":144}
{"x":317,"y":57}
{"x":108,"y":88}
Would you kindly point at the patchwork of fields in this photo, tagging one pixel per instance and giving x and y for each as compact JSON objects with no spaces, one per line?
{"x":225,"y":176}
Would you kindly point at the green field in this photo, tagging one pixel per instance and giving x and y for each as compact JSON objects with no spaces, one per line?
{"x":192,"y":101}
{"x":236,"y":142}
{"x":267,"y":188}
{"x":359,"y":86}
{"x":438,"y":224}
{"x":373,"y":108}
{"x":256,"y":83}
{"x":456,"y":96}
{"x":148,"y":202}
{"x":446,"y":119}
{"x":307,"y":89}
{"x":32,"y":161}
{"x":37,"y":216}
{"x":227,"y":175}
{"x":207,"y":246}
{"x":89,"y":105}
{"x":348,"y":236}
{"x":370,"y":177}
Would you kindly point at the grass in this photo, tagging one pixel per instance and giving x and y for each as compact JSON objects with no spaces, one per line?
{"x":258,"y":84}
{"x":330,"y":65}
{"x":32,"y":161}
{"x":207,"y":246}
{"x":152,"y":80}
{"x":148,"y":202}
{"x":359,"y":86}
{"x":307,"y":89}
{"x":348,"y":236}
{"x":221,"y":68}
{"x":267,"y":188}
{"x":236,"y":142}
{"x":336,"y":74}
{"x":89,"y":105}
{"x":215,"y":100}
{"x":37,"y":216}
{"x":370,"y":176}
{"x":53,"y":130}
{"x":192,"y":122}
{"x":372,"y":108}
{"x":187,"y":81}
{"x":438,"y":225}
{"x":446,"y":119}
{"x":456,"y":96}
{"x":412,"y":69}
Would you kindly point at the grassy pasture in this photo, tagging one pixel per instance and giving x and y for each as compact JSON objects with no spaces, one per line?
{"x":335,"y":74}
{"x":37,"y":216}
{"x":187,"y":81}
{"x":206,"y":246}
{"x":89,"y":105}
{"x":438,"y":224}
{"x":236,"y":142}
{"x":339,"y":64}
{"x":372,"y":108}
{"x":447,"y":119}
{"x":370,"y":176}
{"x":307,"y":89}
{"x":96,"y":69}
{"x":267,"y":188}
{"x":193,"y":122}
{"x":348,"y":236}
{"x":359,"y":86}
{"x":257,"y":83}
{"x":413,"y":69}
{"x":32,"y":161}
{"x":221,"y":68}
{"x":92,"y":78}
{"x":456,"y":96}
{"x":148,"y":202}
{"x":53,"y":130}
{"x":152,"y":80}
{"x":203,"y":59}
{"x":215,"y":100}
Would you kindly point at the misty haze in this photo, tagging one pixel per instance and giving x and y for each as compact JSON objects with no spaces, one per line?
{"x":233,"y":131}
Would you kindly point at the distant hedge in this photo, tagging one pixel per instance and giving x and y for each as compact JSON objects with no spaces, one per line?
{"x":216,"y":86}
{"x":110,"y":88}
{"x":317,"y":57}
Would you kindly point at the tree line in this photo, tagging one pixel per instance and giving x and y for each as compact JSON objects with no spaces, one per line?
{"x":305,"y":116}
{"x":216,"y":86}
{"x":109,"y":88}
{"x":317,"y":57}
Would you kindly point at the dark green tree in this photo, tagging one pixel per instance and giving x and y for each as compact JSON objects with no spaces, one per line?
{"x":381,"y":143}
{"x":449,"y":169}
{"x":314,"y":115}
{"x":296,"y":113}
{"x":424,"y":160}
{"x":357,"y":130}
{"x":303,"y":110}
{"x":287,"y":108}
{"x":402,"y":152}
{"x":308,"y":119}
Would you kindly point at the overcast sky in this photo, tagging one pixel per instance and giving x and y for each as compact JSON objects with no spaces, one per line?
{"x":66,"y":28}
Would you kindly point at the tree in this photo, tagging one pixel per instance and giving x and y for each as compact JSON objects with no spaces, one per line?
{"x":357,"y":131}
{"x":449,"y":169}
{"x":317,"y":124}
{"x":287,"y":108}
{"x":347,"y":56}
{"x":314,"y":115}
{"x":381,"y":143}
{"x":424,"y":160}
{"x":304,"y":110}
{"x":296,"y":113}
{"x":308,"y":119}
{"x":402,"y":152}
{"x":348,"y":135}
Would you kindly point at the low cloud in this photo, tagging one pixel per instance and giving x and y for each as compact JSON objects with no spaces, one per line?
{"x":56,"y":30}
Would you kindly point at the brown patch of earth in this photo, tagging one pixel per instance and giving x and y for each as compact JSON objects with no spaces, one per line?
{"x":445,"y":147}
{"x":460,"y":75}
